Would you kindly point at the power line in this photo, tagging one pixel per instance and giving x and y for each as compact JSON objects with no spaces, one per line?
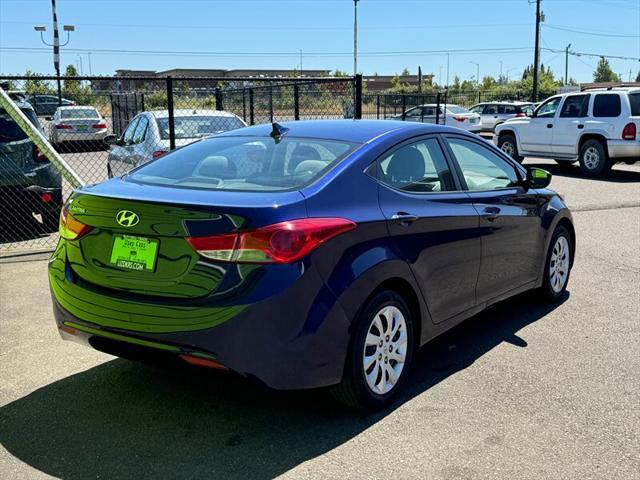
{"x":594,"y":34}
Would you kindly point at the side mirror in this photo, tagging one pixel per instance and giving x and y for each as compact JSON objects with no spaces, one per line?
{"x":538,"y":178}
{"x":111,"y":140}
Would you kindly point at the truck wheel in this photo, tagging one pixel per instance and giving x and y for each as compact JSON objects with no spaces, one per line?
{"x":508,"y":145}
{"x":593,"y":158}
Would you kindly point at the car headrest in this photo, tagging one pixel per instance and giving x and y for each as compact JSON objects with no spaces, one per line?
{"x":309,"y":167}
{"x":216,"y":166}
{"x":406,"y":166}
{"x":300,"y":154}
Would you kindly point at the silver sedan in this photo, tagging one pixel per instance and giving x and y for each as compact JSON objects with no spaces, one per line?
{"x":147,"y":135}
{"x":77,"y":124}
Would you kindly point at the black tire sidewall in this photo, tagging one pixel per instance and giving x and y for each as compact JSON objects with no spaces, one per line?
{"x":355,"y":369}
{"x":603,"y":165}
{"x":546,"y":285}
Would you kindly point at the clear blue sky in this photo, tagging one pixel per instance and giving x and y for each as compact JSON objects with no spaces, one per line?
{"x":270,"y":33}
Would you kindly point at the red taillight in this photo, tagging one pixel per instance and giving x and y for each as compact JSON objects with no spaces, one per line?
{"x":629,"y":131}
{"x":158,"y":153}
{"x":38,"y":156}
{"x":283,"y":242}
{"x":70,"y":228}
{"x":99,"y":126}
{"x":459,"y":119}
{"x":64,"y":127}
{"x":46,"y":197}
{"x":520,"y":115}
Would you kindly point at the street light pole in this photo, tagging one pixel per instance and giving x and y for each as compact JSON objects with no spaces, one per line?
{"x":478,"y":72}
{"x":566,"y":66}
{"x":355,"y":37}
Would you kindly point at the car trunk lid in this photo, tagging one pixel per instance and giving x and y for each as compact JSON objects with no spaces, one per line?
{"x":138,"y":240}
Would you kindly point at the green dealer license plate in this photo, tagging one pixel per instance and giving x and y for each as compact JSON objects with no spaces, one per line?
{"x":134,"y":253}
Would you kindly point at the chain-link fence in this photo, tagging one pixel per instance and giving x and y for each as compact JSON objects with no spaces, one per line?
{"x":104,"y":126}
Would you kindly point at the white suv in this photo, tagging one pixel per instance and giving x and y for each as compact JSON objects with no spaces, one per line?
{"x":596,"y":127}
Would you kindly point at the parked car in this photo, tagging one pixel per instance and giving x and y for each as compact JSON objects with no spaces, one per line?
{"x":455,"y":116}
{"x":597,"y":127}
{"x":28,"y":182}
{"x":147,"y":135}
{"x":493,"y":114}
{"x":46,"y":105}
{"x":77,"y":124}
{"x":325,"y":261}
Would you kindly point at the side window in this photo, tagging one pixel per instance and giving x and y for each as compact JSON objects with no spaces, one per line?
{"x":419,"y":167}
{"x":491,"y":110}
{"x":607,"y":105}
{"x":575,"y":106}
{"x":634,"y":100}
{"x":508,"y":109}
{"x":549,"y":108}
{"x":414,"y":112}
{"x":141,"y":130}
{"x":429,"y":111}
{"x":127,"y":138}
{"x":476,"y":109}
{"x":481,"y":168}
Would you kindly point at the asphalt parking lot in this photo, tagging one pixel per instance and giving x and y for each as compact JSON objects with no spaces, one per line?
{"x":524,"y":390}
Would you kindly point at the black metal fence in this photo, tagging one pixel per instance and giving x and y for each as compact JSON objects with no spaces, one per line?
{"x":108,"y":125}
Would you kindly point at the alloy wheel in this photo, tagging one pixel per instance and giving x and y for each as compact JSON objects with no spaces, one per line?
{"x":559,"y":264}
{"x":591,"y":158}
{"x":385,"y":350}
{"x":508,"y":148}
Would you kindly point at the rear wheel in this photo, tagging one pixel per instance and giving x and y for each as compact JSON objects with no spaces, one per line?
{"x":508,"y":144}
{"x":593,"y":158}
{"x":557,"y":265}
{"x":380,"y":354}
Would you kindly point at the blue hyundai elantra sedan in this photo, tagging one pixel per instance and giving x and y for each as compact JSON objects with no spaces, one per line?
{"x":308,"y":254}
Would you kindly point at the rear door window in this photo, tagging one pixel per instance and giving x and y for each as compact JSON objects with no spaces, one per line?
{"x":141,"y":130}
{"x":607,"y":105}
{"x":575,"y":106}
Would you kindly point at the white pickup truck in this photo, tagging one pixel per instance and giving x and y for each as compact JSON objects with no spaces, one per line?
{"x":597,"y":127}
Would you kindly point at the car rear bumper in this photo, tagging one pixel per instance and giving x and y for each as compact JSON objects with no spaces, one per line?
{"x":294,"y":339}
{"x":98,"y":136}
{"x":624,"y":149}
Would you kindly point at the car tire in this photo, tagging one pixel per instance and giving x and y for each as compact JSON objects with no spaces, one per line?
{"x":593,"y":158}
{"x":371,"y":377}
{"x":509,"y":145}
{"x":557,"y":265}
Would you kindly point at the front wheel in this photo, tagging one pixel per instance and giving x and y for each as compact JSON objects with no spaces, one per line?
{"x":380,"y":354}
{"x":508,"y":144}
{"x":557,"y":265}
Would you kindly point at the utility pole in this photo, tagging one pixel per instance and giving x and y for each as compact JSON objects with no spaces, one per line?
{"x":447,"y":69}
{"x":300,"y":62}
{"x":355,"y":37}
{"x":500,"y":81}
{"x":536,"y":60}
{"x":566,"y":65}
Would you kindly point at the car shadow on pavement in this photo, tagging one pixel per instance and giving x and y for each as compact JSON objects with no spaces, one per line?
{"x":573,"y":171}
{"x":126,"y":420}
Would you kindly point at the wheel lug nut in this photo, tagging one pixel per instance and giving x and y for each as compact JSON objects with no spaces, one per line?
{"x":386,"y":338}
{"x":386,"y":360}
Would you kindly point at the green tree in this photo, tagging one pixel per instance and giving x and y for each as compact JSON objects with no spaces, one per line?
{"x":638,"y":77}
{"x":405,"y":72}
{"x":604,"y":73}
{"x":35,"y":84}
{"x":339,"y":73}
{"x":71,"y":85}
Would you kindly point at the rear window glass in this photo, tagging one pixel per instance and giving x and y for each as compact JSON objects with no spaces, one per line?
{"x":245,"y":163}
{"x":9,"y":130}
{"x":607,"y":105}
{"x":634,"y":99}
{"x":79,"y":113}
{"x":456,"y":109}
{"x":198,"y":126}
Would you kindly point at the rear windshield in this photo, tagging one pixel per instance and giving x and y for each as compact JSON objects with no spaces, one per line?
{"x":79,"y":113}
{"x":198,"y":126}
{"x":455,"y":109}
{"x":9,"y":130}
{"x":634,"y":99}
{"x":245,"y":163}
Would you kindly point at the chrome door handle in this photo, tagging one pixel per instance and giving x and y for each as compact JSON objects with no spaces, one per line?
{"x":404,"y":219}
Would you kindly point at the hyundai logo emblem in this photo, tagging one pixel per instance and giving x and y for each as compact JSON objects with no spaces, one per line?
{"x":127,"y":218}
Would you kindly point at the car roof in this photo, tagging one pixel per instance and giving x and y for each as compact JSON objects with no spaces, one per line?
{"x":76,"y":107}
{"x":506,"y":102}
{"x":184,"y":112}
{"x":24,"y":105}
{"x":356,"y":131}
